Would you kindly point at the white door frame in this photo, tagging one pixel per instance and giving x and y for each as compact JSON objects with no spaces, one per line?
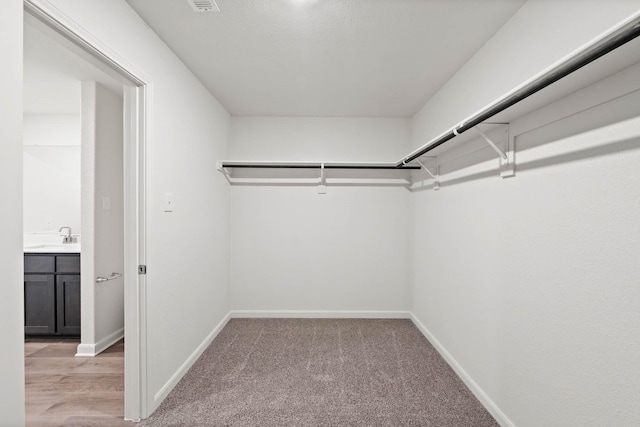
{"x":137,"y":92}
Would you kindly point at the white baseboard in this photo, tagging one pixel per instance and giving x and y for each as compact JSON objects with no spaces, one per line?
{"x":489,"y":404}
{"x":92,"y":350}
{"x":86,"y":350}
{"x":320,"y":314}
{"x":184,"y":368}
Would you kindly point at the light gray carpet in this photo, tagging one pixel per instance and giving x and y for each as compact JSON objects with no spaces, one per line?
{"x":320,"y":372}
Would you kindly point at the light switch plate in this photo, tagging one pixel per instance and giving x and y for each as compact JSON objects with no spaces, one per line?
{"x":168,"y":202}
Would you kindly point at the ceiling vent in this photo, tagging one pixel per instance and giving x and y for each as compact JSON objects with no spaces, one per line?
{"x":204,"y":5}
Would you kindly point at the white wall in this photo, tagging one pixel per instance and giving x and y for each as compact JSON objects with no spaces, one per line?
{"x":109,"y":221}
{"x":88,"y":273}
{"x":186,"y":296}
{"x":295,"y":249}
{"x":103,"y":242}
{"x":11,"y":290}
{"x":51,"y":172}
{"x":530,"y":284}
{"x":52,"y":129}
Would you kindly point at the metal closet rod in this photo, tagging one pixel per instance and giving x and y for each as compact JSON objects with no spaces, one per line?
{"x":614,"y":40}
{"x":255,"y":165}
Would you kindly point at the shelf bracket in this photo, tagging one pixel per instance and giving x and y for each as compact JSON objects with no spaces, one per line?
{"x":493,"y":145}
{"x":224,"y":171}
{"x":503,"y":144}
{"x":436,"y":171}
{"x":322,"y":189}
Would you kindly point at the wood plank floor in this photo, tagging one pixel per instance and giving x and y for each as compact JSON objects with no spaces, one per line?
{"x":64,"y":390}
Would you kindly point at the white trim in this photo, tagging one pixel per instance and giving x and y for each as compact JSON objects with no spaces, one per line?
{"x":486,"y":401}
{"x":184,"y":368}
{"x":64,"y":25}
{"x":137,"y":114}
{"x":136,"y":136}
{"x":92,"y":350}
{"x":319,"y":314}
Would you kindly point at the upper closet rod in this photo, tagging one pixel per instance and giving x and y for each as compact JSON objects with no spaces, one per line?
{"x":258,"y":165}
{"x":615,"y":39}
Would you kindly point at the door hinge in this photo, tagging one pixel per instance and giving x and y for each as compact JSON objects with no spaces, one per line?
{"x":142,"y":269}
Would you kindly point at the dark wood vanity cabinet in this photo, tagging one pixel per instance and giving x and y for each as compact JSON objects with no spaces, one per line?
{"x":52,"y":294}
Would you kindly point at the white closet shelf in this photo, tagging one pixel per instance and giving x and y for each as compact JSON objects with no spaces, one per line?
{"x":230,"y":164}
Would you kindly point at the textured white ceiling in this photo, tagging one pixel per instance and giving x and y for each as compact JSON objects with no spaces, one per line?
{"x":326,"y":57}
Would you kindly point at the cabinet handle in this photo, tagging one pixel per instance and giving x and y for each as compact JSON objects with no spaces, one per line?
{"x":106,"y":279}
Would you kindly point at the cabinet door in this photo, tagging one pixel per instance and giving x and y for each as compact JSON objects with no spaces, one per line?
{"x":39,"y":304}
{"x":68,"y":298}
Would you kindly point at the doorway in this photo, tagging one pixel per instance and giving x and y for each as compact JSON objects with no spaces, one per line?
{"x":62,"y":31}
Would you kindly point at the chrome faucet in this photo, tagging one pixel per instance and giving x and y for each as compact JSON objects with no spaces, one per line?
{"x":68,"y":238}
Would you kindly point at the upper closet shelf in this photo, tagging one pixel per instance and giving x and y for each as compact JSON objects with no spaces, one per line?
{"x":312,"y":165}
{"x":316,"y":173}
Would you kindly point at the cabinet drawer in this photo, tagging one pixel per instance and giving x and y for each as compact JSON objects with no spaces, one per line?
{"x":39,"y":264}
{"x":68,"y":264}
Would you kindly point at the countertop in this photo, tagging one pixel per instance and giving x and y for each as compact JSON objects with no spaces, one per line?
{"x":63,"y":248}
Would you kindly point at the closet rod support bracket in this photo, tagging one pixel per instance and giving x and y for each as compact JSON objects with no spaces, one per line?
{"x":492,"y":144}
{"x":435,"y":174}
{"x":322,"y":189}
{"x":503,"y":144}
{"x":224,"y":171}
